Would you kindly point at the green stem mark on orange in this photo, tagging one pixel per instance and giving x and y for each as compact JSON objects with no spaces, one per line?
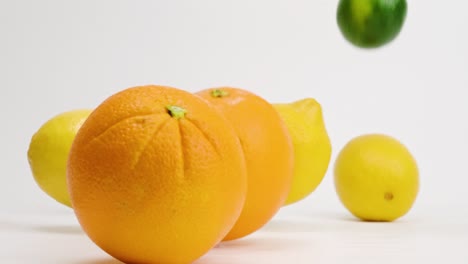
{"x":176,"y":111}
{"x":218,"y":93}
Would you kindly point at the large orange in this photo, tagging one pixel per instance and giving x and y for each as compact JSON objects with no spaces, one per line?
{"x":156,"y":175}
{"x":268,"y":152}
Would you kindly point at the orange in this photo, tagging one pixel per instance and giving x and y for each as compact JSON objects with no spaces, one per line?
{"x":156,"y":175}
{"x":268,"y":151}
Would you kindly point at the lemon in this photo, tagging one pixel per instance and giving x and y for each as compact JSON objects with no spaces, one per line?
{"x":312,"y":147}
{"x":371,"y":23}
{"x":376,"y":177}
{"x":48,"y":152}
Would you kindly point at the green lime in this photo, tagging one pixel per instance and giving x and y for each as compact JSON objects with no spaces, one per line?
{"x":371,"y":23}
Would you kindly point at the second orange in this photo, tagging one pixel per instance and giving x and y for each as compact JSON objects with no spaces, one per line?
{"x":268,"y":152}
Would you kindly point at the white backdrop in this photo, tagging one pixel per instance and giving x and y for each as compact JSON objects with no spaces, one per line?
{"x":61,"y":55}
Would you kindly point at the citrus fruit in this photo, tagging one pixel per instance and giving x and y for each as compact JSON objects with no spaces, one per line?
{"x":312,"y":147}
{"x":268,"y":152}
{"x":376,"y":177}
{"x":371,"y":23}
{"x":156,"y":175}
{"x":48,"y":152}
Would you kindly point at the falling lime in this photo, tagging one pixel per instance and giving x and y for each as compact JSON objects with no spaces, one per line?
{"x":371,"y":23}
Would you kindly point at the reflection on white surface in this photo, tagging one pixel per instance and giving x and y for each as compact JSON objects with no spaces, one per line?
{"x":321,"y":237}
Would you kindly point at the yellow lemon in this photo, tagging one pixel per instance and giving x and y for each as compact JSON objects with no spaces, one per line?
{"x":376,"y":177}
{"x":48,"y":152}
{"x":312,"y":147}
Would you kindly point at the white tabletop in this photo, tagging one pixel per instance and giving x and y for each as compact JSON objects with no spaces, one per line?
{"x":425,"y":235}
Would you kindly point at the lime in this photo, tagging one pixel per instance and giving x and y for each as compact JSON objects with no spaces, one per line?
{"x":371,"y":23}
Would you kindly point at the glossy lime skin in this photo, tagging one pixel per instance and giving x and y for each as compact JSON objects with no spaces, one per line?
{"x":371,"y":23}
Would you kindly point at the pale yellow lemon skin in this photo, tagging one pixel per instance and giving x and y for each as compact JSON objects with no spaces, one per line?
{"x":312,"y":146}
{"x":376,"y":177}
{"x":48,"y":153}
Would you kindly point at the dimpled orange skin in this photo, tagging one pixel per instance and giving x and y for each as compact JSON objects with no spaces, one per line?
{"x":268,"y":151}
{"x":153,"y":186}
